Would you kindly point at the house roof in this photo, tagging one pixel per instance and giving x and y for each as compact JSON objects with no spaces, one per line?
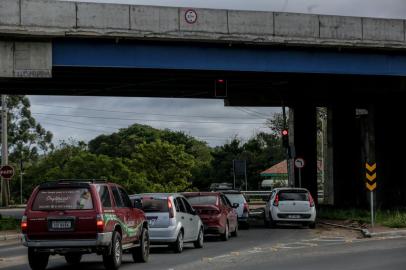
{"x":278,"y":169}
{"x":281,"y":169}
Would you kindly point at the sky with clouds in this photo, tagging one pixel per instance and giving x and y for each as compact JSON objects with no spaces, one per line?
{"x":83,"y":118}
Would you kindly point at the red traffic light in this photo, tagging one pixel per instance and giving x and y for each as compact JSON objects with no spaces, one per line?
{"x":285,"y":132}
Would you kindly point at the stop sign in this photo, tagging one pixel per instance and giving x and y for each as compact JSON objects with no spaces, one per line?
{"x":6,"y":171}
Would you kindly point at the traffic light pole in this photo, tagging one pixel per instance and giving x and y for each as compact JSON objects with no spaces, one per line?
{"x":4,"y":150}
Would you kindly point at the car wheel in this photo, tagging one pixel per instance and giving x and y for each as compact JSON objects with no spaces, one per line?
{"x":271,"y":223}
{"x":112,"y":261}
{"x":141,"y":253}
{"x":178,"y":246}
{"x":73,"y":258}
{"x":235,"y":232}
{"x":199,"y":242}
{"x":37,"y":260}
{"x":312,"y":225}
{"x":226,"y":233}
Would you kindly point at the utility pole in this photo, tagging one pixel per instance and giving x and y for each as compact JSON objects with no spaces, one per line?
{"x":4,"y":151}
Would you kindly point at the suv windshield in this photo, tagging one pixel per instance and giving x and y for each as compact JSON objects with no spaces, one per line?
{"x":293,"y":195}
{"x":202,"y":200}
{"x":63,"y":199}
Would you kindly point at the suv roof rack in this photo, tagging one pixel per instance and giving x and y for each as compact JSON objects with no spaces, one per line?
{"x":82,"y":180}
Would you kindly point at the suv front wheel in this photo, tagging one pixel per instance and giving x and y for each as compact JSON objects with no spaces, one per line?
{"x":37,"y":260}
{"x":112,"y":261}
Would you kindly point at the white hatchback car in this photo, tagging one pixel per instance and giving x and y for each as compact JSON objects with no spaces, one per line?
{"x":290,"y":205}
{"x":172,"y":220}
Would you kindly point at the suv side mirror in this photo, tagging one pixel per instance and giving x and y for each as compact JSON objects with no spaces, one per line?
{"x":138,"y":203}
{"x":235,"y":205}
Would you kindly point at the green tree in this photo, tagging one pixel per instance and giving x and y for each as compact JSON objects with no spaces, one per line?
{"x":27,"y":138}
{"x":166,"y":166}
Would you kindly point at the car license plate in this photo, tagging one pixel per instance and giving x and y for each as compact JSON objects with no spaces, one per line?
{"x":152,"y":220}
{"x":294,"y":216}
{"x":61,"y":224}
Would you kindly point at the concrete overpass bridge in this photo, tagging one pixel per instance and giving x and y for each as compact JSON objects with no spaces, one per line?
{"x":268,"y":59}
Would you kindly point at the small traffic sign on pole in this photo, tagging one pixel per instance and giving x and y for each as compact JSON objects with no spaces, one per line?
{"x":300,"y":163}
{"x":370,"y":183}
{"x":370,"y":176}
{"x":6,"y":171}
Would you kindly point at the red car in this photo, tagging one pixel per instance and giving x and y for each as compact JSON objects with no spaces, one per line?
{"x":217,"y":213}
{"x":76,"y":217}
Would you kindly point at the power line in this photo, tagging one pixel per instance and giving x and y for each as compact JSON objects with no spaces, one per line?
{"x":156,"y":114}
{"x":150,"y":120}
{"x":94,"y":130}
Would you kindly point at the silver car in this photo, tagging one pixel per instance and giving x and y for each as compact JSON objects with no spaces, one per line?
{"x":242,"y":209}
{"x":290,"y":205}
{"x":172,"y":220}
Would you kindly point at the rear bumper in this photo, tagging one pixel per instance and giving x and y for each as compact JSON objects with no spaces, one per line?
{"x":163,"y":235}
{"x":294,"y":217}
{"x":102,"y":240}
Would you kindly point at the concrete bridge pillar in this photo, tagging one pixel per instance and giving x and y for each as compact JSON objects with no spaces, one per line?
{"x":390,"y":155}
{"x":349,"y":190}
{"x":305,"y":141}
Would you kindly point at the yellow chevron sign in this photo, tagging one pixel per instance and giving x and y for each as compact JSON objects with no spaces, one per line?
{"x":370,"y":168}
{"x":371,"y":187}
{"x":371,"y":177}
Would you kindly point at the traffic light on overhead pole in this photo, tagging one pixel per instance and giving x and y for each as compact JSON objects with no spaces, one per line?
{"x":220,"y":88}
{"x":285,"y":138}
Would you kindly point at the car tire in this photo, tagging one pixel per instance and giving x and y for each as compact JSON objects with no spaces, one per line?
{"x":226,"y":235}
{"x":178,"y":245}
{"x":112,"y":261}
{"x":312,"y":225}
{"x":141,"y":253}
{"x":73,"y":258}
{"x":37,"y":260}
{"x":200,"y":239}
{"x":271,"y":223}
{"x":235,"y":232}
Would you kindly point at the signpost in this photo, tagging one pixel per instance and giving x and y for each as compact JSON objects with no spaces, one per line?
{"x":371,"y":185}
{"x":300,"y":163}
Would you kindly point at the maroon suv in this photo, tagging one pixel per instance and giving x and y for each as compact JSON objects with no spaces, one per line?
{"x":76,"y":217}
{"x":216,"y":212}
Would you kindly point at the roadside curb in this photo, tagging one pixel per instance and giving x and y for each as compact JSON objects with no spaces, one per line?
{"x":369,"y":234}
{"x":365,"y":232}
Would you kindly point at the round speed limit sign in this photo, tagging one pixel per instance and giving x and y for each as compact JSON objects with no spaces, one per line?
{"x":299,"y":163}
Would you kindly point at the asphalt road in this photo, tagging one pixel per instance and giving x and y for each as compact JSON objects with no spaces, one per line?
{"x":257,"y":248}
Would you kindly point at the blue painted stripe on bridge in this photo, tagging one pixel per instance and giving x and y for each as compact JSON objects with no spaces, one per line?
{"x":105,"y":53}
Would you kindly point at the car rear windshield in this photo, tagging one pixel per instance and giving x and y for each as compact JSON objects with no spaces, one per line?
{"x":293,"y":195}
{"x":63,"y":199}
{"x":155,"y":205}
{"x":235,"y":198}
{"x":202,"y":200}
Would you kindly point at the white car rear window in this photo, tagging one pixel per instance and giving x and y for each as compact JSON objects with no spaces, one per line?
{"x":293,"y":195}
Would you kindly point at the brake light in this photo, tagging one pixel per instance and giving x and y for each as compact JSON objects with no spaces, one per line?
{"x":276,"y":201}
{"x":100,"y":223}
{"x":170,"y":208}
{"x":311,"y":201}
{"x":24,"y":224}
{"x":246,"y":209}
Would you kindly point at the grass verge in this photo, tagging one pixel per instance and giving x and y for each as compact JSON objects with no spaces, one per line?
{"x":388,"y":218}
{"x":9,"y":224}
